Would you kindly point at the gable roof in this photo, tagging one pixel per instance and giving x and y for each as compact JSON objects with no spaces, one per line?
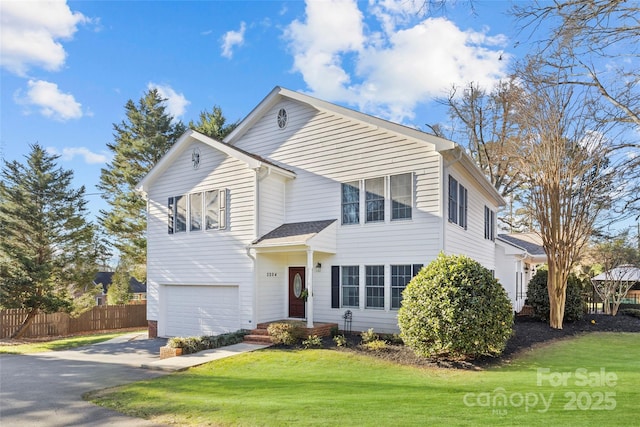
{"x":529,"y":242}
{"x":442,"y":145}
{"x":253,"y":161}
{"x":296,"y":233}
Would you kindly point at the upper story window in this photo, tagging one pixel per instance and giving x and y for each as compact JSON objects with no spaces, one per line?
{"x":374,"y":190}
{"x":457,"y":203}
{"x":351,"y":202}
{"x":401,"y":196}
{"x":489,"y":224}
{"x":203,"y":209}
{"x":374,"y":199}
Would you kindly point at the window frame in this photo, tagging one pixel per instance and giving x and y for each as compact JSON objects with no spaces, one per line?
{"x":343,"y":203}
{"x":184,"y":203}
{"x":397,"y":277}
{"x":347,"y":272}
{"x":489,"y":224}
{"x":458,"y":198}
{"x":374,"y":281}
{"x":374,"y":200}
{"x":393,"y":200}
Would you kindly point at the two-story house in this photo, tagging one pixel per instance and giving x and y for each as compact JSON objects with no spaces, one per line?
{"x":306,"y":210}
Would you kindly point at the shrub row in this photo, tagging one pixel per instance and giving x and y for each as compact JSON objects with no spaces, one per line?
{"x":205,"y":342}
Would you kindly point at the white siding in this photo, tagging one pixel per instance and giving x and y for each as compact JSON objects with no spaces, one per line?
{"x":271,"y":199}
{"x":202,"y":257}
{"x":325,"y":150}
{"x":470,"y":242}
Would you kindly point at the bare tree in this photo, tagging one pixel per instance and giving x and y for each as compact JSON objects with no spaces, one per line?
{"x":565,"y":158}
{"x":487,"y":121}
{"x":595,"y":44}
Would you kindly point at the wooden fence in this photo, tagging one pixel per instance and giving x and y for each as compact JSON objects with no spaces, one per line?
{"x":56,"y":324}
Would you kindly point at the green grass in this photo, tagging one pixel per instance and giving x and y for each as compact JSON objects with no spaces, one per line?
{"x":333,"y":388}
{"x":60,"y":344}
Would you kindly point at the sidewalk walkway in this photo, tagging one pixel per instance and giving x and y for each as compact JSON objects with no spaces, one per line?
{"x":180,"y":363}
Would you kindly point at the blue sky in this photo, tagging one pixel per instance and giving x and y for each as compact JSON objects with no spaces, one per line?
{"x":69,"y":67}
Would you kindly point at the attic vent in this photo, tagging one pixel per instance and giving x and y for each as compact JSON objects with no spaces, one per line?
{"x":282,"y":118}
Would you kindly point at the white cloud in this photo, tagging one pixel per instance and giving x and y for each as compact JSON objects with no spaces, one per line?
{"x":388,"y":72}
{"x":31,"y":33}
{"x":50,"y":100}
{"x":176,"y":102}
{"x":69,"y":153}
{"x":232,"y":39}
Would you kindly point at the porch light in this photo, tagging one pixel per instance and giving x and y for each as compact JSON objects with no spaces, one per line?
{"x":318,"y":267}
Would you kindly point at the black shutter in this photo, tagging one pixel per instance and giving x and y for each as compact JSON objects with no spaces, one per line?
{"x":416,"y":268}
{"x":170,"y":208}
{"x":335,"y":286}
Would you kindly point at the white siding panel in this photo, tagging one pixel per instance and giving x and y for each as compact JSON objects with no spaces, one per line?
{"x":271,"y":203}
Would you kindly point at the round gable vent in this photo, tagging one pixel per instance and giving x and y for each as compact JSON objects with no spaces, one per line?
{"x":282,"y":118}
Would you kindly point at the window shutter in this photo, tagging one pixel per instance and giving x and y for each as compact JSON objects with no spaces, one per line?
{"x":416,"y":268}
{"x":170,"y":213}
{"x":222,"y":198}
{"x":335,"y":286}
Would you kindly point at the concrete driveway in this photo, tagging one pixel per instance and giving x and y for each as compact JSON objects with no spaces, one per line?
{"x":45,"y":389}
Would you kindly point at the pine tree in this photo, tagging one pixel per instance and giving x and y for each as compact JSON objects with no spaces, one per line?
{"x":140,"y":141}
{"x":212,"y":124}
{"x":47,"y":252}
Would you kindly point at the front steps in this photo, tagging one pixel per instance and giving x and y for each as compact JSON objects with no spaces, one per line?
{"x":260,"y":335}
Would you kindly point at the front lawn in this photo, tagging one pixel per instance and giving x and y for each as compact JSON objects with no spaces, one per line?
{"x":589,"y":380}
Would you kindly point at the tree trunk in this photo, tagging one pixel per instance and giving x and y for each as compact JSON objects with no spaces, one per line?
{"x":24,"y":327}
{"x":557,"y":289}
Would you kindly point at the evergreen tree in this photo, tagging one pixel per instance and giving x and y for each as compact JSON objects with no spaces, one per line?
{"x":119,"y":292}
{"x":140,"y":141}
{"x":47,"y":252}
{"x":212,"y":124}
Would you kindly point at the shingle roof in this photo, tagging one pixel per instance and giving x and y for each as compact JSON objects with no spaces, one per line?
{"x":294,"y":233}
{"x":105,"y":278}
{"x":527,"y":241}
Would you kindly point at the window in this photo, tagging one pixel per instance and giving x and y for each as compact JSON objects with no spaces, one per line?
{"x":457,"y":203}
{"x":489,"y":224}
{"x":351,"y":286}
{"x":374,"y":197}
{"x":351,"y":202}
{"x":401,"y":275}
{"x":401,"y":196}
{"x":204,"y":209}
{"x":180,"y":214}
{"x":374,"y":286}
{"x":195,"y":212}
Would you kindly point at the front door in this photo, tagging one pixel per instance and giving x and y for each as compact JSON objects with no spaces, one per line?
{"x":296,"y":295}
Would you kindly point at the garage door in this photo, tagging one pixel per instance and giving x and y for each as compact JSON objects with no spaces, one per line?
{"x":201,"y":310}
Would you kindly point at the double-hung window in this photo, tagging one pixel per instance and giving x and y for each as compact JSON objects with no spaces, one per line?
{"x":401,"y":275}
{"x":374,"y":286}
{"x":351,"y":202}
{"x":489,"y":224}
{"x":458,"y":202}
{"x":374,"y":191}
{"x":401,"y":196}
{"x":350,"y":286}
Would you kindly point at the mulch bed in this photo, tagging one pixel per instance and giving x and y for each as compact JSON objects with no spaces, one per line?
{"x":528,"y":333}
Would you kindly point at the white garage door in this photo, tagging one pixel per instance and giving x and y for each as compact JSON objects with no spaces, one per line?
{"x":201,"y":310}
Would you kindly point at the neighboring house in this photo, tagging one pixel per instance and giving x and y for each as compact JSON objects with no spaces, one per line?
{"x":137,"y":289}
{"x":306,"y":210}
{"x":627,"y":274}
{"x":517,"y":258}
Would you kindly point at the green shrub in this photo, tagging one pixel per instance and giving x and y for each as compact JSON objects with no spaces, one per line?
{"x":285,"y":333}
{"x":369,"y":335}
{"x":454,"y":307}
{"x":195,"y":344}
{"x":634,"y":312}
{"x":538,"y":297}
{"x":375,"y":345}
{"x":340,"y":340}
{"x":313,"y":341}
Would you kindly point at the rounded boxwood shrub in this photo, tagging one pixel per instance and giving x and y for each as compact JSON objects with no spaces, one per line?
{"x":538,"y":297}
{"x":454,"y":307}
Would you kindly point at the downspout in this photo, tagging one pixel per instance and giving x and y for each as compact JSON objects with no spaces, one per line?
{"x":445,"y":201}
